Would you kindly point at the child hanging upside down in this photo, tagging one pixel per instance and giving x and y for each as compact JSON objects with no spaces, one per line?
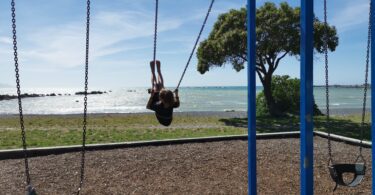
{"x":162,"y":101}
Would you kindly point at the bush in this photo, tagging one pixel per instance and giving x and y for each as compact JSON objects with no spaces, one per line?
{"x":261,"y":105}
{"x":286,"y":94}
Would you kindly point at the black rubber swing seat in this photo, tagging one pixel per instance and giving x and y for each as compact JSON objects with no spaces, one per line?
{"x":30,"y":190}
{"x":337,"y":171}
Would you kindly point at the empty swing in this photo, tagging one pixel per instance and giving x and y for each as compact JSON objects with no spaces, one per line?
{"x":358,"y":168}
{"x":30,"y":190}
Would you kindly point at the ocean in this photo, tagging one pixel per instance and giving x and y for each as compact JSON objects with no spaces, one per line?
{"x":133,"y":100}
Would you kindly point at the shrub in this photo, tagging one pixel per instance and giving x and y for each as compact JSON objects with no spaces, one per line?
{"x":286,"y":94}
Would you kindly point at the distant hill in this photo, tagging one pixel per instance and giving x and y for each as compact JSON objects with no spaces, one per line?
{"x":345,"y":86}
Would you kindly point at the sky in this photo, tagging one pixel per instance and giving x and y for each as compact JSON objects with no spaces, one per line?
{"x":51,"y":43}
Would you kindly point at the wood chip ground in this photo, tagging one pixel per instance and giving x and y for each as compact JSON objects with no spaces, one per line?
{"x":199,"y":168}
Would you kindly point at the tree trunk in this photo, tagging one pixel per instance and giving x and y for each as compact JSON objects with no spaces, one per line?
{"x":272,"y":108}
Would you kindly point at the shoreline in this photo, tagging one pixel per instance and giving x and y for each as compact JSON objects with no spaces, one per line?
{"x":227,"y":114}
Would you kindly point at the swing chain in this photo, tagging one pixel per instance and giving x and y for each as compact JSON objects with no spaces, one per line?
{"x":325,"y":48}
{"x":196,"y":43}
{"x":366,"y":80}
{"x":155,"y":29}
{"x":83,"y":151}
{"x":23,"y":132}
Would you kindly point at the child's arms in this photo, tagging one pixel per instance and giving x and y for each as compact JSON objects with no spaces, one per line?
{"x":176,"y":99}
{"x":149,"y":103}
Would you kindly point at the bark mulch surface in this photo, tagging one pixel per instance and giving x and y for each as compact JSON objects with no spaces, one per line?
{"x":199,"y":168}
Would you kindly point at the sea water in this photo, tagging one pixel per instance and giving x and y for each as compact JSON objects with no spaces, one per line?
{"x":134,"y":100}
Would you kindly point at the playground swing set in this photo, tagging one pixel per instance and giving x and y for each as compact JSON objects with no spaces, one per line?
{"x":358,"y":168}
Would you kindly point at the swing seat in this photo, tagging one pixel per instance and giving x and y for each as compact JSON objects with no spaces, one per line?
{"x":30,"y":190}
{"x":337,"y":171}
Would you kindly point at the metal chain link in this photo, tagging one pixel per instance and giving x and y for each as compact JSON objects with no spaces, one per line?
{"x":196,"y":43}
{"x":366,"y":80}
{"x":83,"y":150}
{"x":156,"y":29}
{"x":325,"y":49}
{"x":23,"y":132}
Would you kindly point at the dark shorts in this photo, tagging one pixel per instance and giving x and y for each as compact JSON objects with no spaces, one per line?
{"x":164,"y":116}
{"x":155,"y":99}
{"x":164,"y":121}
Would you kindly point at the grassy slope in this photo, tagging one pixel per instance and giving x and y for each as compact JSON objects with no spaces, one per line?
{"x":66,"y":130}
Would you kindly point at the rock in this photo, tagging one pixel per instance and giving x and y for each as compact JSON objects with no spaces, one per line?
{"x":90,"y":93}
{"x":25,"y":95}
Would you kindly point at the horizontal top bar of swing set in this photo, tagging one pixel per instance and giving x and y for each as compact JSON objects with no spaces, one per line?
{"x":33,"y":152}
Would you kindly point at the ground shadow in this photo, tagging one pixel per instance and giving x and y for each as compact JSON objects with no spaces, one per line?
{"x":344,"y":127}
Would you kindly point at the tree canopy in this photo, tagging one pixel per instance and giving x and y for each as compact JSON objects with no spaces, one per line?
{"x":277,"y":35}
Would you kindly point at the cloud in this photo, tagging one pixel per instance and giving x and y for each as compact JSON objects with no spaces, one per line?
{"x":128,"y":25}
{"x":5,"y":40}
{"x":119,"y":65}
{"x":353,"y":14}
{"x":120,"y":39}
{"x":59,"y":46}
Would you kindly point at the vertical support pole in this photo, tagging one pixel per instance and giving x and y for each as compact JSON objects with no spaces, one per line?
{"x":372,"y":18}
{"x":306,"y":162}
{"x":251,"y":95}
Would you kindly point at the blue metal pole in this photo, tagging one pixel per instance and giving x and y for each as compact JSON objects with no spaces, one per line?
{"x":306,"y":115}
{"x":251,"y":95}
{"x":372,"y":18}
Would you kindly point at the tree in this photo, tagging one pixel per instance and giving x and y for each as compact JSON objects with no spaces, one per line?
{"x":278,"y":35}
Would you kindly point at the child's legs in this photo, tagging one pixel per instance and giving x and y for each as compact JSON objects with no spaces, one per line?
{"x":153,"y":76}
{"x":160,"y":76}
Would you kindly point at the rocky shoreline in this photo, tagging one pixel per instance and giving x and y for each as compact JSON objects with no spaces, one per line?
{"x":91,"y":93}
{"x":26,"y":95}
{"x":33,"y":95}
